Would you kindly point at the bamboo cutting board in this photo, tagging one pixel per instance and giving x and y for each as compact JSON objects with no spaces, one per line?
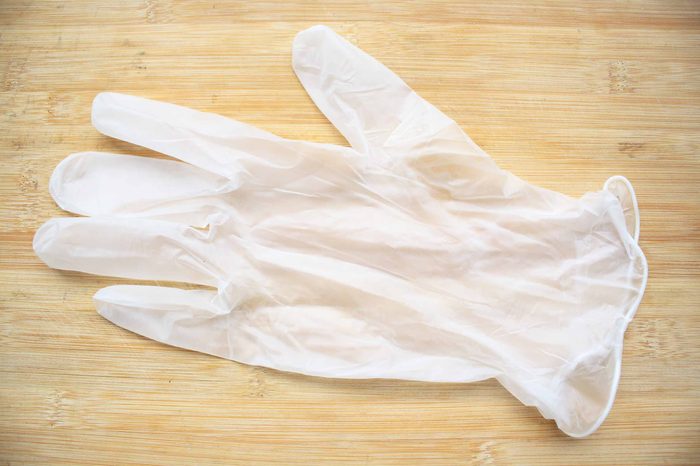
{"x":563,"y":95}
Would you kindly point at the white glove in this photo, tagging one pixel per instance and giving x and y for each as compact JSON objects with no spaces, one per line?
{"x":411,"y":255}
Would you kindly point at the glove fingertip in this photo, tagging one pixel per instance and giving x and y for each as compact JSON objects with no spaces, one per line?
{"x":44,"y":240}
{"x":310,"y":35}
{"x":103,"y":106}
{"x":67,"y":172}
{"x":311,"y":44}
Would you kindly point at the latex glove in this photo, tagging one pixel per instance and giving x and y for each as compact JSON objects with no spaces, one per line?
{"x":411,"y":255}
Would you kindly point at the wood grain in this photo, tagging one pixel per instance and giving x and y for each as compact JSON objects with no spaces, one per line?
{"x":562,"y":94}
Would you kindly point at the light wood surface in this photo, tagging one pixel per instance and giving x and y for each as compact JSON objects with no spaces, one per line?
{"x":564,"y":95}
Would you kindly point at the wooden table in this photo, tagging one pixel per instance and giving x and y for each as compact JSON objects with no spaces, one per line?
{"x":564,"y":95}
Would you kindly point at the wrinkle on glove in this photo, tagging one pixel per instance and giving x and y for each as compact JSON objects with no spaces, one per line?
{"x":411,"y":255}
